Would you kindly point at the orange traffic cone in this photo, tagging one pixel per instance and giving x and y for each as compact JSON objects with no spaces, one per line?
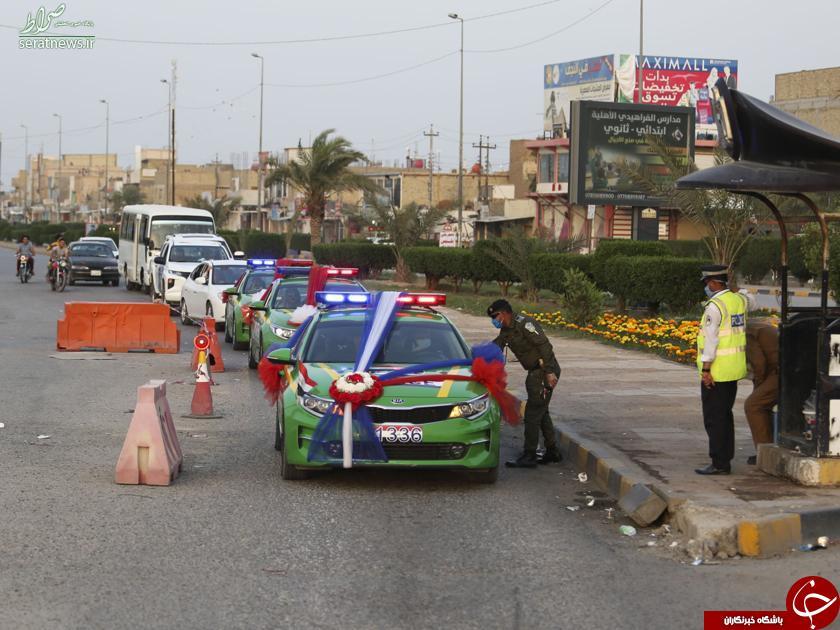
{"x":202,"y":400}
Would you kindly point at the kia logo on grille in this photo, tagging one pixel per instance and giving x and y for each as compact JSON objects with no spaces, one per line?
{"x":397,"y":401}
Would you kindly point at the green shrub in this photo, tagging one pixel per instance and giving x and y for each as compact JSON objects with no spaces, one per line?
{"x":796,"y":259}
{"x":687,"y":249}
{"x":549,"y":269}
{"x":108,"y":231}
{"x":5,"y":230}
{"x":43,"y":233}
{"x":493,"y":268}
{"x":759,"y":257}
{"x":582,"y":301}
{"x":609,"y":248}
{"x":262,"y":245}
{"x":655,"y":280}
{"x":369,"y":258}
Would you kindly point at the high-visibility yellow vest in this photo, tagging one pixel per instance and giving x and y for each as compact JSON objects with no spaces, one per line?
{"x":730,"y":362}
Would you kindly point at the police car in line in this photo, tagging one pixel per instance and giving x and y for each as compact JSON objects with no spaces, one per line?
{"x":251,"y":286}
{"x":430,"y":424}
{"x":271,"y":314}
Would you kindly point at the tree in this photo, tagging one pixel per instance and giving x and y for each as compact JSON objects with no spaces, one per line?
{"x":219,"y":208}
{"x":728,"y":218}
{"x":128,"y":196}
{"x":405,"y":226}
{"x":321,"y":171}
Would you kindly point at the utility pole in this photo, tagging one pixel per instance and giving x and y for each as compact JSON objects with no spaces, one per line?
{"x":58,"y":194}
{"x":168,"y":139}
{"x":431,"y":135}
{"x":641,"y":45}
{"x":1,"y":161}
{"x":480,"y":147}
{"x":455,"y":16}
{"x":173,"y":87}
{"x":107,"y":131}
{"x":26,"y":166}
{"x":484,"y":144}
{"x":259,"y":156}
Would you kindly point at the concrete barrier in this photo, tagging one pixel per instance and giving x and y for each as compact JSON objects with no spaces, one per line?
{"x":117,"y":327}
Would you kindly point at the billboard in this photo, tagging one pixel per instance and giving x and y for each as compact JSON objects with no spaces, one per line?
{"x":676,"y":81}
{"x":591,"y":79}
{"x":609,"y":138}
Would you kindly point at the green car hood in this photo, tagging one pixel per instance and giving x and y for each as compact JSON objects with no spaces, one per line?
{"x":426,"y":393}
{"x":280,"y":317}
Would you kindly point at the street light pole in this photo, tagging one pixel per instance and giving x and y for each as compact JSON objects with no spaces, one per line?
{"x":259,"y":156}
{"x":107,"y":132}
{"x":641,"y":46}
{"x":455,"y":16}
{"x":26,"y":165}
{"x":170,"y":167}
{"x":58,"y":185}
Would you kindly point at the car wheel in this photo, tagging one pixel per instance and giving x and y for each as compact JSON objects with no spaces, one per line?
{"x":278,"y":432}
{"x":105,"y":283}
{"x":252,"y":362}
{"x":287,"y":471}
{"x":185,"y":318}
{"x":489,"y":476}
{"x":228,"y":326}
{"x":115,"y":282}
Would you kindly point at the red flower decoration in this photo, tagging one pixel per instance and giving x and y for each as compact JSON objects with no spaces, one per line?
{"x":356,"y":398}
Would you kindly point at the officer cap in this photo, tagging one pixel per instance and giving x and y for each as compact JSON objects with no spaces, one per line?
{"x":497,"y":307}
{"x":713,"y":272}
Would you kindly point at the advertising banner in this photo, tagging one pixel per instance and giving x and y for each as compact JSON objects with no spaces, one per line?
{"x":591,"y":79}
{"x":676,"y":81}
{"x":610,"y":139}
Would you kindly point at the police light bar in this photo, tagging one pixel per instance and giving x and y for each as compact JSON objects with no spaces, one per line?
{"x":261,"y":262}
{"x":294,"y":262}
{"x":343,"y":272}
{"x":422,"y":299}
{"x":331,"y":298}
{"x":293,"y":271}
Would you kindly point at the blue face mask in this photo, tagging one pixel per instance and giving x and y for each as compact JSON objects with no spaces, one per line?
{"x":496,"y":323}
{"x":708,"y":291}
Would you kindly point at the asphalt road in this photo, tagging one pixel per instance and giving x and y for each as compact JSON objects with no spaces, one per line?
{"x":231,"y":545}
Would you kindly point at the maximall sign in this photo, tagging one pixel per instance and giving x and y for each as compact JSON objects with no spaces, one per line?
{"x":611,"y":138}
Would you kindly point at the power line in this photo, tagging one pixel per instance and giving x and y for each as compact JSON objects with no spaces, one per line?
{"x":83,"y":130}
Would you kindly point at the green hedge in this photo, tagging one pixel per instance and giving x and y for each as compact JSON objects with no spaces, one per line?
{"x":759,"y":257}
{"x":257,"y":244}
{"x":796,"y":259}
{"x":369,"y":258}
{"x":436,"y":263}
{"x":656,"y":280}
{"x":688,"y":249}
{"x":548,"y":269}
{"x":43,"y":233}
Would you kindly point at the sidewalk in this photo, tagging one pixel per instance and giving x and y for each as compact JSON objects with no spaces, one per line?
{"x":630,"y":418}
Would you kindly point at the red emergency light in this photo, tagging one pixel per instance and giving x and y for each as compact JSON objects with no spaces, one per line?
{"x":422,"y":299}
{"x":343,"y":272}
{"x":293,"y":262}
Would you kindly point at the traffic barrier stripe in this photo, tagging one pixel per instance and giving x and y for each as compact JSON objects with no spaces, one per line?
{"x":151,"y":454}
{"x":117,"y":327}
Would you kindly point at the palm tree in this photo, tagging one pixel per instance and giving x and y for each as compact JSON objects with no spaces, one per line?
{"x":219,"y":208}
{"x":321,"y":171}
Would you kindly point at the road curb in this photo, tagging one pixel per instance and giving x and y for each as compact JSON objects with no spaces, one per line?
{"x":753,"y":536}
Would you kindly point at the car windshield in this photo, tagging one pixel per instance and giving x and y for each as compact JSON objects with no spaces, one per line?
{"x":197,"y":253}
{"x":227,"y":274}
{"x":294,"y":294}
{"x":104,"y":241}
{"x":409,"y":342}
{"x":257,"y":281}
{"x":92,"y":249}
{"x":167,"y":227}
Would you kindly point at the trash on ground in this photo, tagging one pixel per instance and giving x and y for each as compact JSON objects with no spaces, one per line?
{"x":651,"y":543}
{"x":697,"y":562}
{"x":199,"y":435}
{"x":810,"y":547}
{"x":674,"y":544}
{"x":609,"y":512}
{"x":590,"y":500}
{"x":822,"y":541}
{"x":627,"y":530}
{"x":582,"y":477}
{"x":2,"y":426}
{"x":44,"y":437}
{"x":573,"y":508}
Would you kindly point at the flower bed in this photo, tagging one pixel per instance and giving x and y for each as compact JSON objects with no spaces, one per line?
{"x":673,"y":339}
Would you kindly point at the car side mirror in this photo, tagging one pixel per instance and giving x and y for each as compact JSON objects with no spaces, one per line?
{"x":151,"y":244}
{"x":238,"y":255}
{"x":159,"y":260}
{"x":281,"y":355}
{"x":201,"y":280}
{"x":231,"y":291}
{"x":257,"y":305}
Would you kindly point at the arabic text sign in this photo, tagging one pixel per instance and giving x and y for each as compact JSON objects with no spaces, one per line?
{"x":585,"y":79}
{"x":611,"y":138}
{"x":48,"y":30}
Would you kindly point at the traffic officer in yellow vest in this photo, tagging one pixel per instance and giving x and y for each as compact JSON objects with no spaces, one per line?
{"x":722,"y":361}
{"x":533,"y":350}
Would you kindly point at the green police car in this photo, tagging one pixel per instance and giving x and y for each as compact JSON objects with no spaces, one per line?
{"x":270,"y":323}
{"x":250,"y":287}
{"x":446,"y":424}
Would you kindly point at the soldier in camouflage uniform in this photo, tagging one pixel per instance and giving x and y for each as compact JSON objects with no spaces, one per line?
{"x":533,"y":350}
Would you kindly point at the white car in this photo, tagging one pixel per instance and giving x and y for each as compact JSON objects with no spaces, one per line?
{"x":105,"y":241}
{"x":201,"y":295}
{"x":179,"y":257}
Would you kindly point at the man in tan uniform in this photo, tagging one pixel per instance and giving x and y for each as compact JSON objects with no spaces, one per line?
{"x":763,"y":357}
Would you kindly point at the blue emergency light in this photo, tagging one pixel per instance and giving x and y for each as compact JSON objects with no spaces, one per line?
{"x":335,"y":298}
{"x":261,"y":262}
{"x":294,"y":271}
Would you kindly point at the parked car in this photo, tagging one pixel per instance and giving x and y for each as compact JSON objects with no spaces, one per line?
{"x":203,"y":292}
{"x":93,"y":262}
{"x":179,"y":257}
{"x":105,"y":241}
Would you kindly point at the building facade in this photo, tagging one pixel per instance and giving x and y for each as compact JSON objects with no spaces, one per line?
{"x":811,"y":95}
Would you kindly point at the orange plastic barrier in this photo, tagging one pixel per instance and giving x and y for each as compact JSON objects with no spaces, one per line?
{"x":117,"y":327}
{"x":151,"y":454}
{"x":208,"y":327}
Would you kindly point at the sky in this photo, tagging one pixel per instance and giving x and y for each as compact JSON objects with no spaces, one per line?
{"x":218,"y":91}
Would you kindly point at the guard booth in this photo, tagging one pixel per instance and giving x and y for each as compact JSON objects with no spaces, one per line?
{"x":775,"y":153}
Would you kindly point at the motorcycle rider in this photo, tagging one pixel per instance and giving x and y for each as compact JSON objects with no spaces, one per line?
{"x":25,"y":248}
{"x":58,"y":252}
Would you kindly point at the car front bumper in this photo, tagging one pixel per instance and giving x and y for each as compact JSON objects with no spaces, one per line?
{"x":89,"y":275}
{"x":172,"y":288}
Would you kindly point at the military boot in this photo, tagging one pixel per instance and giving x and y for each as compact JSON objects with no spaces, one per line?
{"x":526,"y":460}
{"x":551,"y":456}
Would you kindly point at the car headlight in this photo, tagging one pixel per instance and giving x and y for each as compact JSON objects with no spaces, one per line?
{"x":283,"y":333}
{"x":80,"y":268}
{"x":471,"y":409}
{"x":314,"y":405}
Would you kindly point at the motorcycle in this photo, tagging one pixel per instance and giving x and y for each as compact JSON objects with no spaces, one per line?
{"x":58,"y":277}
{"x":24,"y":270}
